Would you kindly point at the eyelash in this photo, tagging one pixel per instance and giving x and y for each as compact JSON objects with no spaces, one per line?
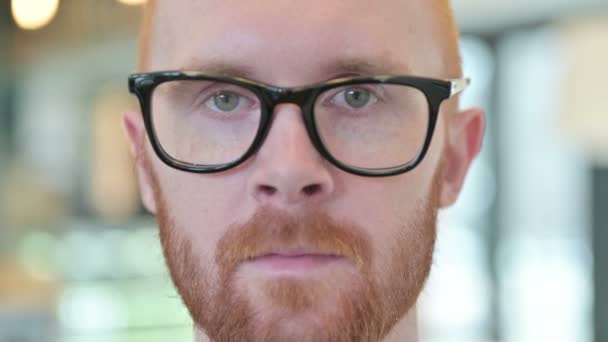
{"x":211,"y":94}
{"x":374,"y":94}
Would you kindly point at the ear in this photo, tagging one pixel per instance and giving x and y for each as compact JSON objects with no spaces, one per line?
{"x":135,"y":131}
{"x":465,"y":134}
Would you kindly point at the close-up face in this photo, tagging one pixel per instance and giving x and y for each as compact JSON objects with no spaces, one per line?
{"x":286,"y":245}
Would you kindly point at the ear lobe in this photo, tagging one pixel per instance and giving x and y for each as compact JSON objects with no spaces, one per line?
{"x":465,"y":135}
{"x":135,"y":131}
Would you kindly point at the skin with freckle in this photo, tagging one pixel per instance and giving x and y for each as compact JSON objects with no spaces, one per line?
{"x":286,"y":246}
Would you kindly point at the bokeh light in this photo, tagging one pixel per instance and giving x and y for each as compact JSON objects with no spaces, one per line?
{"x":132,"y":2}
{"x":33,"y":14}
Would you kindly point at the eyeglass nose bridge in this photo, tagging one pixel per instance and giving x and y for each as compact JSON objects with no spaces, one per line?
{"x":299,"y":97}
{"x":303,"y":98}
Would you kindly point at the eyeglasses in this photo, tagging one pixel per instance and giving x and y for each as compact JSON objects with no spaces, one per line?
{"x":369,"y":126}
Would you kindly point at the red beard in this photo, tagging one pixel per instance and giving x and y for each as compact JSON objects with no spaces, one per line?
{"x":363,"y":304}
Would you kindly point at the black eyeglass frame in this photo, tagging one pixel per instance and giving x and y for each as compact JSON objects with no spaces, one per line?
{"x":436,"y":91}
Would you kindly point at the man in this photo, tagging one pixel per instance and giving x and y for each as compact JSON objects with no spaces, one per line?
{"x":296,"y":154}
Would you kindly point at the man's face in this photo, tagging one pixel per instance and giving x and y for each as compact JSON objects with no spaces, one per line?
{"x":286,"y":246}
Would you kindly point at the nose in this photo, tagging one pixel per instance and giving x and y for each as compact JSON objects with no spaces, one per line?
{"x":288,"y":170}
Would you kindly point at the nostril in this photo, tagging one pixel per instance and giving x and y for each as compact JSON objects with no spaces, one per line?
{"x":311,"y":189}
{"x":267,"y":190}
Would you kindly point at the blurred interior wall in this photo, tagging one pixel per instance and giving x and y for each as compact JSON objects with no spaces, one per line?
{"x":585,"y":120}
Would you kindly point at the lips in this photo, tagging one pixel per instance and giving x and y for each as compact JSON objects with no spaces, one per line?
{"x":293,"y":260}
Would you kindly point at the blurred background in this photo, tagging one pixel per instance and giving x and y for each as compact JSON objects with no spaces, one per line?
{"x":521,"y":257}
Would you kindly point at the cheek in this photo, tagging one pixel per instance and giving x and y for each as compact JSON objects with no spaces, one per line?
{"x":386,"y":207}
{"x":201,"y":207}
{"x":379,"y":206}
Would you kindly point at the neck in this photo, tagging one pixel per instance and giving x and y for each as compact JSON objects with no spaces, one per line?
{"x":406,"y":330}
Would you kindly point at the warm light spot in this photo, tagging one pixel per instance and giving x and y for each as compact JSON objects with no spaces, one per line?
{"x":33,"y":14}
{"x":132,"y":2}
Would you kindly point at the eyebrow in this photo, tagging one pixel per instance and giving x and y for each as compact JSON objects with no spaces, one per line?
{"x":333,"y":69}
{"x":364,"y":67}
{"x":220,"y":67}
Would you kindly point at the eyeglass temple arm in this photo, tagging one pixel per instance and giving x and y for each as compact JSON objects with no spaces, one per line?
{"x":459,"y":85}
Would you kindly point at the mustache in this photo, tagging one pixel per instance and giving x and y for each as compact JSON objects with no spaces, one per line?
{"x":271,"y":231}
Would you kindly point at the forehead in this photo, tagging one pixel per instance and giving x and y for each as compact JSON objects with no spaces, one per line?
{"x":287,"y":42}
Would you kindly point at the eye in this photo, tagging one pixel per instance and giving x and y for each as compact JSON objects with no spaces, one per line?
{"x":226,"y":101}
{"x":357,"y":97}
{"x":354,"y":98}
